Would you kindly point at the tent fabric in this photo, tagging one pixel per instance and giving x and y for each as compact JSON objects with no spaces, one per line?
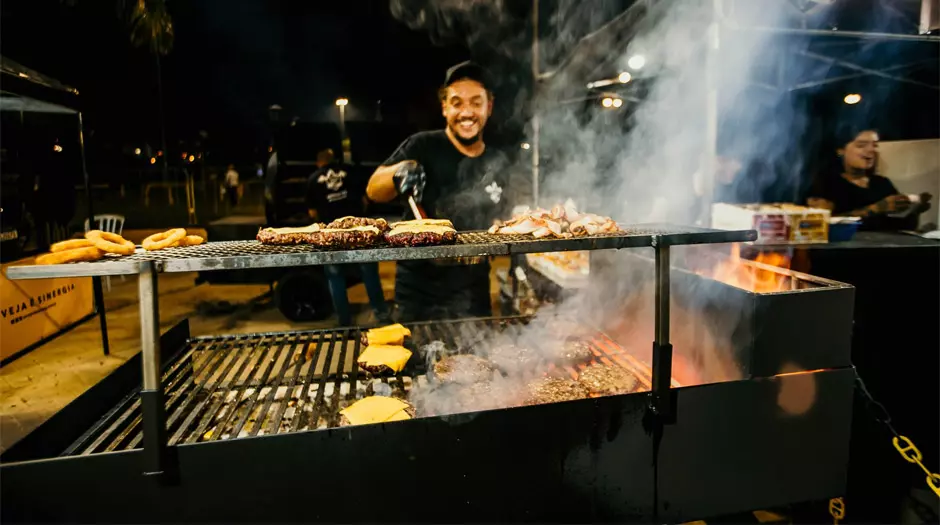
{"x":10,"y":102}
{"x":9,"y":67}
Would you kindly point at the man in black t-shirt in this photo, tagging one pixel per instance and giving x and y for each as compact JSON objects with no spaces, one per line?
{"x":333,"y":193}
{"x":454,"y":176}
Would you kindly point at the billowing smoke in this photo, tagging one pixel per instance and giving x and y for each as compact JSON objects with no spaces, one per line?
{"x":647,"y":161}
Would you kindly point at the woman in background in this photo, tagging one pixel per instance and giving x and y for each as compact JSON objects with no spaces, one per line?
{"x":857,"y":191}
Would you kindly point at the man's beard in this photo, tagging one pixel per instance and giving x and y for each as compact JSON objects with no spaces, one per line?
{"x":465,"y":141}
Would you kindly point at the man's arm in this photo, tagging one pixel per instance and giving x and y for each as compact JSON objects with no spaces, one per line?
{"x":381,"y":187}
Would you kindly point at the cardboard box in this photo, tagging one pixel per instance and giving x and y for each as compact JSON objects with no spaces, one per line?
{"x":775,"y":223}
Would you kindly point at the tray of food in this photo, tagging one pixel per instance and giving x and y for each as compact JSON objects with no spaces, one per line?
{"x":359,"y":240}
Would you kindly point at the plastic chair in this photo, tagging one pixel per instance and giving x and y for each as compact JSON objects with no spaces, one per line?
{"x":107,"y":223}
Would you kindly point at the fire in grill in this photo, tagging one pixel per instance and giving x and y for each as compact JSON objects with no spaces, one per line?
{"x":222,"y":387}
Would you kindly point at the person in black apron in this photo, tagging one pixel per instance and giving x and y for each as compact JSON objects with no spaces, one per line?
{"x":454,"y":176}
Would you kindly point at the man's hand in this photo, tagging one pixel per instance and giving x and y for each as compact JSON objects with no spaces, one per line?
{"x":893,"y":204}
{"x":410,"y":179}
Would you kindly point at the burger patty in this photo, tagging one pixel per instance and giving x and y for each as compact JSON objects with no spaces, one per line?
{"x":344,"y":239}
{"x":553,"y":390}
{"x":421,"y":238}
{"x":573,"y":352}
{"x":514,"y":359}
{"x":486,"y":395}
{"x":607,"y":380}
{"x":269,"y":236}
{"x":323,"y":239}
{"x":352,"y":222}
{"x":463,"y":369}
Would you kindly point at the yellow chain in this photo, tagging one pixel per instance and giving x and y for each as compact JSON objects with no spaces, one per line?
{"x":910,"y":452}
{"x":836,"y":510}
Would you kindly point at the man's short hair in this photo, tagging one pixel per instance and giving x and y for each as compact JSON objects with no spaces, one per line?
{"x":464,"y":71}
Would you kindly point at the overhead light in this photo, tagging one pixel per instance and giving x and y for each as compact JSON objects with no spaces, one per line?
{"x":618,"y":102}
{"x":136,"y":151}
{"x":625,"y":77}
{"x":191,"y":158}
{"x":526,"y":145}
{"x":342,"y":101}
{"x":636,"y":62}
{"x":153,"y":160}
{"x":607,"y":102}
{"x":57,"y":148}
{"x":852,"y":98}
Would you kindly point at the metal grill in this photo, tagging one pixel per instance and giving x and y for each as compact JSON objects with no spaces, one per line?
{"x":222,"y":387}
{"x":235,"y":255}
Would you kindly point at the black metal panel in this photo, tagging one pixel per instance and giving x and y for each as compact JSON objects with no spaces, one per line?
{"x":731,"y":449}
{"x":778,"y":332}
{"x":67,"y":425}
{"x":761,"y":443}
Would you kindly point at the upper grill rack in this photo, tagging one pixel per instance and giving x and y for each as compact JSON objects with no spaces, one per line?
{"x":222,"y":387}
{"x":236,"y":255}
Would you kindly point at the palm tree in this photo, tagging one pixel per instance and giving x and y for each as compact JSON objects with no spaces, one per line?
{"x":150,"y":26}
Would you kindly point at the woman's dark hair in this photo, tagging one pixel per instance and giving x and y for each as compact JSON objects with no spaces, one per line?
{"x":846,"y":133}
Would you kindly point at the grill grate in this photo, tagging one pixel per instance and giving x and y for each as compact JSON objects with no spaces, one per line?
{"x":222,"y":387}
{"x":236,"y":255}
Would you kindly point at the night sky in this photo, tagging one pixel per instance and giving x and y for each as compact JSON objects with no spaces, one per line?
{"x":231,"y":61}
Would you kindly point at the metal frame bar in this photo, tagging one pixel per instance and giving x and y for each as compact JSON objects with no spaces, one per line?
{"x":238,"y":255}
{"x":151,"y":396}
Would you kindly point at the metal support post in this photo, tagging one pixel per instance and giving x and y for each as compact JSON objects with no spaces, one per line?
{"x":98,"y":290}
{"x":151,"y":395}
{"x":660,"y":402}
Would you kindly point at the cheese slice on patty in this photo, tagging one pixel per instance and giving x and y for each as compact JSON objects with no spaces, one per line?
{"x":420,"y":228}
{"x":392,"y":356}
{"x":315,"y":227}
{"x":376,"y":409}
{"x":388,"y":335}
{"x":417,"y":222}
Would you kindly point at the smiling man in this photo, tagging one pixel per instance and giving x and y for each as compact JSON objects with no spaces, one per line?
{"x":454,"y":176}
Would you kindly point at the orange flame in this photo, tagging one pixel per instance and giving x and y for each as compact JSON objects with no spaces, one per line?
{"x":737,"y":273}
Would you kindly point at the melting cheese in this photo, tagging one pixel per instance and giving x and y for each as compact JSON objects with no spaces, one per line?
{"x":420,"y":228}
{"x":388,"y":335}
{"x":315,"y":227}
{"x":434,"y":222}
{"x":376,"y":409}
{"x":392,"y":356}
{"x":371,"y":229}
{"x":318,"y":228}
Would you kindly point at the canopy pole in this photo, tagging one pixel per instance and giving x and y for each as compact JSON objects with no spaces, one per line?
{"x":95,"y":281}
{"x":535,"y":108}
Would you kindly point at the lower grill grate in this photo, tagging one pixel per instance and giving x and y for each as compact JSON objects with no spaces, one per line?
{"x":222,"y":387}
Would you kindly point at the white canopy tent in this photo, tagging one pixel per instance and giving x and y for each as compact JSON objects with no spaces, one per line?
{"x":15,"y":102}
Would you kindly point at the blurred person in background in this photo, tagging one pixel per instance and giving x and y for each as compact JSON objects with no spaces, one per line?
{"x":332,"y":193}
{"x":852,"y":188}
{"x":231,"y":185}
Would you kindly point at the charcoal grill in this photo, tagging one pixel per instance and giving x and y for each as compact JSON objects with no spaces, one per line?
{"x":261,"y":384}
{"x":242,"y":428}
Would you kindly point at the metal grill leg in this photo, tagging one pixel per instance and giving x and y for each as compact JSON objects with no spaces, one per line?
{"x":151,"y":396}
{"x":662,"y":349}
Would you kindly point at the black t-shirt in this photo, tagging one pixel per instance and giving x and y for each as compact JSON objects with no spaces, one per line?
{"x":334,"y":192}
{"x":847,"y":197}
{"x":469,"y":191}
